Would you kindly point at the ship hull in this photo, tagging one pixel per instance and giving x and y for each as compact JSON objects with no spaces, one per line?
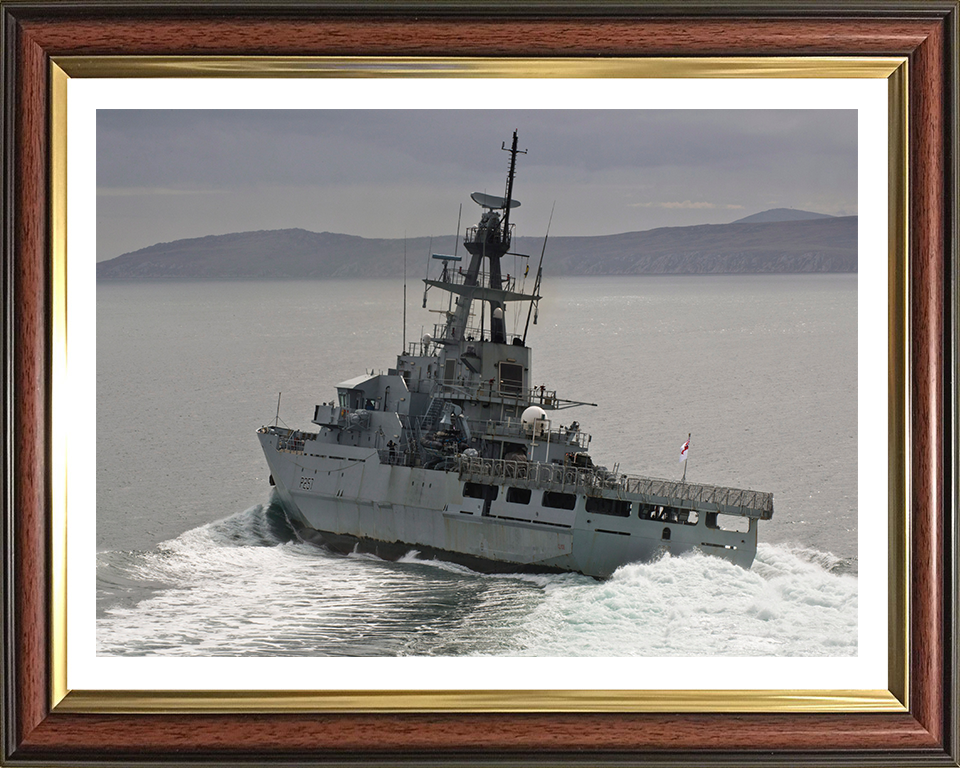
{"x":351,"y":500}
{"x":343,"y":544}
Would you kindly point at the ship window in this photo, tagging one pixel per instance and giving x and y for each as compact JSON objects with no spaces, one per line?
{"x":559,"y":500}
{"x":511,"y":378}
{"x":651,"y":512}
{"x":449,"y":371}
{"x":350,"y":398}
{"x":518,"y":495}
{"x":670,"y":514}
{"x":476,"y":491}
{"x":733,"y":523}
{"x":666,"y":534}
{"x":602,"y":506}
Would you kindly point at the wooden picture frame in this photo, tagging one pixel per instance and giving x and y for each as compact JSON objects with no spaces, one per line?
{"x":39,"y":730}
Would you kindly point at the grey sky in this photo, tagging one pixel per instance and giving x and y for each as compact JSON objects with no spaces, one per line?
{"x":166,"y":175}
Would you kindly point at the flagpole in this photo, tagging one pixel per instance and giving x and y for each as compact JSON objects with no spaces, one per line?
{"x":686,"y":460}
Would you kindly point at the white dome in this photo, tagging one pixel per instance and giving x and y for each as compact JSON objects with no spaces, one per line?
{"x":532,"y":414}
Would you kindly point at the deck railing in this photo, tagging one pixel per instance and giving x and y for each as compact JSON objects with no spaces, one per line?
{"x":571,"y":436}
{"x":570,"y":479}
{"x":290,"y":440}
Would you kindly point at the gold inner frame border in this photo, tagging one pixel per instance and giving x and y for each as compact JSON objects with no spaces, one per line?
{"x":894,"y":699}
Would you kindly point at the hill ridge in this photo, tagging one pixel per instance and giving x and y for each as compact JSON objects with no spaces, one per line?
{"x":827,"y":244}
{"x":781,"y":214}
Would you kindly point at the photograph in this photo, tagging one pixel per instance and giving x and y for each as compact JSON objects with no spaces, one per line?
{"x":427,"y":382}
{"x":440,"y":384}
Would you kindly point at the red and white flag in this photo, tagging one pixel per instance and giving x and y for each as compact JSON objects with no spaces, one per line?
{"x":683,"y":451}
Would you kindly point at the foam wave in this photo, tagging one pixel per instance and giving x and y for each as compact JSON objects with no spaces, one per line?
{"x":540,"y":579}
{"x":787,"y":605}
{"x":246,"y":586}
{"x":771,"y":556}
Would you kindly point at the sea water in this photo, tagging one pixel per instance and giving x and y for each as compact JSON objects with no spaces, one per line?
{"x":195,"y":556}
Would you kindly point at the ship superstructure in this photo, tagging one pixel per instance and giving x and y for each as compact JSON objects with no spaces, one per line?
{"x":455,"y":454}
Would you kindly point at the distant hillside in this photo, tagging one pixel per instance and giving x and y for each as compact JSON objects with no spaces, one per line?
{"x":781,"y":214}
{"x":827,"y":244}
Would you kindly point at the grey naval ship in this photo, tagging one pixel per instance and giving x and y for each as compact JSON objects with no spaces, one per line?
{"x":455,"y":455}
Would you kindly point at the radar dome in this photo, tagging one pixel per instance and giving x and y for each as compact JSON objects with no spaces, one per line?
{"x":534,"y":418}
{"x":532,"y":414}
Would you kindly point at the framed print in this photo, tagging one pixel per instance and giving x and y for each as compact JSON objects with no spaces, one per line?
{"x":52,"y":54}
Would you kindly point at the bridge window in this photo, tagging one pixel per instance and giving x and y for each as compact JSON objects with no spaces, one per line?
{"x":511,"y":378}
{"x":602,"y":506}
{"x":518,"y":495}
{"x":559,"y":500}
{"x":351,"y":398}
{"x":477,"y":491}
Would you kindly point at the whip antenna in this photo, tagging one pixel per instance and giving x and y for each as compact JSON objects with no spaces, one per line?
{"x":426,"y":286}
{"x":456,"y":242}
{"x":536,"y":285}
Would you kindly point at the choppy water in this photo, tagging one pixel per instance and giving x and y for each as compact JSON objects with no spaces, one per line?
{"x":245,"y":586}
{"x":195,"y":557}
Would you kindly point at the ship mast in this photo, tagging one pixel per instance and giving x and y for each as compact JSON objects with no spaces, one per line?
{"x":510,"y":175}
{"x":481,"y":278}
{"x":470,"y":366}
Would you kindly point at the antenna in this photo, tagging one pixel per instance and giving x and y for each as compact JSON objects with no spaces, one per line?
{"x":403,"y":349}
{"x":510,"y":174}
{"x":536,"y":285}
{"x":457,"y":241}
{"x":426,"y":286}
{"x":277,"y":422}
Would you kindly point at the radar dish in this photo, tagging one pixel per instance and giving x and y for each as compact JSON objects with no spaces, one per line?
{"x":492,"y":201}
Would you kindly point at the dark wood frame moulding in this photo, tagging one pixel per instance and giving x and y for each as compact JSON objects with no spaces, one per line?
{"x":924,"y":32}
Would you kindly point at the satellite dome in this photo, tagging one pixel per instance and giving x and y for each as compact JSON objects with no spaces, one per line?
{"x":533,"y":413}
{"x":534,"y":418}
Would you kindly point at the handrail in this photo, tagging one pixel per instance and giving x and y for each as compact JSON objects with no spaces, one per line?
{"x":576,"y":479}
{"x":531,"y":395}
{"x":291,"y":440}
{"x":459,"y":277}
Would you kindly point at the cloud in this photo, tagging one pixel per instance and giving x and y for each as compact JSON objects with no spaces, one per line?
{"x":127,"y":191}
{"x":687,"y":204}
{"x":377,"y":173}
